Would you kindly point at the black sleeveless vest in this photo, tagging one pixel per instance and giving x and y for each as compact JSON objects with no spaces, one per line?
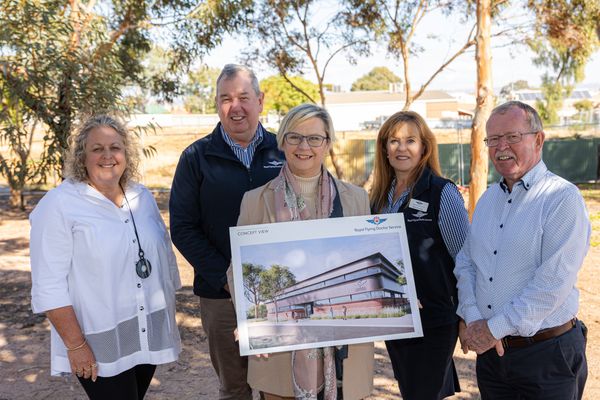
{"x":432,"y":264}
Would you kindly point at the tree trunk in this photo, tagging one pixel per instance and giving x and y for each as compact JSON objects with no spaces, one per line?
{"x":332,"y":153}
{"x":16,"y":199}
{"x":479,"y":155}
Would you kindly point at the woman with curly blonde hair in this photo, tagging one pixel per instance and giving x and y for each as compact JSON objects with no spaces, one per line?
{"x":103,"y":268}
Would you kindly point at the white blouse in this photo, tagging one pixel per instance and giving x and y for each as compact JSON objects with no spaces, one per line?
{"x":83,"y":254}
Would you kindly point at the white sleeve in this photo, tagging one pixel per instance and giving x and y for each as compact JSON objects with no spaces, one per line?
{"x":51,"y":252}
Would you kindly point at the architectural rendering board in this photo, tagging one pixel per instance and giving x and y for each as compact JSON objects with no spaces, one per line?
{"x":326,"y":282}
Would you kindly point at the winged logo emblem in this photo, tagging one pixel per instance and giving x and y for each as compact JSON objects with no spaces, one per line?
{"x":376,"y":220}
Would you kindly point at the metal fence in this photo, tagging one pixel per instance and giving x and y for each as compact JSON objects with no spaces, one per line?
{"x":573,"y":159}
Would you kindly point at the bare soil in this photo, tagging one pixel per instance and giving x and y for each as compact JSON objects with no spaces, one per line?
{"x":25,"y":338}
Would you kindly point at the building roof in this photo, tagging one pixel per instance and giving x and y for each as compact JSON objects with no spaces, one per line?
{"x":534,"y":95}
{"x":380,"y":96}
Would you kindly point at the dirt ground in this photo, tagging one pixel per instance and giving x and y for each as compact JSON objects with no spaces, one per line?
{"x":25,"y":338}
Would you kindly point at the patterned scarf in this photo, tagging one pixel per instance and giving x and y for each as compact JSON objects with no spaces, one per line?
{"x":313,"y":370}
{"x":289,"y":203}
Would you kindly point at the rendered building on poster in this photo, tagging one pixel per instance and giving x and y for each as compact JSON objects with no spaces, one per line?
{"x":362,"y":287}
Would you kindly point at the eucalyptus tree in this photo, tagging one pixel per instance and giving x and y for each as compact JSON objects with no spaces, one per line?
{"x":251,"y":274}
{"x":300,"y":37}
{"x":564,"y":38}
{"x":273,"y":281}
{"x":397,"y":23}
{"x":60,"y":60}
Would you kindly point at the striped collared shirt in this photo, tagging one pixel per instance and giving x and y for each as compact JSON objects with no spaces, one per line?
{"x":452,"y":220}
{"x":518,"y":266}
{"x":244,"y":154}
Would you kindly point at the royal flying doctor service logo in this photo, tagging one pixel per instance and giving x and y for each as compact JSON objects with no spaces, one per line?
{"x":376,"y":220}
{"x":273,"y":164}
{"x":419,"y":214}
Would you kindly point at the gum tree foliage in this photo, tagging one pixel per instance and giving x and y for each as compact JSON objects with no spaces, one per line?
{"x":272,"y":281}
{"x":297,"y":37}
{"x":506,"y":90}
{"x":564,"y":39}
{"x":281,"y":96}
{"x":16,"y":134}
{"x":396,"y":23}
{"x":63,"y":59}
{"x":379,"y":78}
{"x":251,"y":274}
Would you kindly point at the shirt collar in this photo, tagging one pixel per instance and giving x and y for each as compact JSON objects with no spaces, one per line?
{"x":132,"y":190}
{"x":258,"y":137}
{"x":530,"y":178}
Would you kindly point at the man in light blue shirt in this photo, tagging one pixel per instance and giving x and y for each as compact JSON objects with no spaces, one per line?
{"x":518,"y":268}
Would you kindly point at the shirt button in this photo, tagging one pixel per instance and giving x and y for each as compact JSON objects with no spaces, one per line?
{"x":127,"y":220}
{"x":141,"y":308}
{"x":509,"y":201}
{"x":491,"y":279}
{"x":495,"y":251}
{"x":501,"y":226}
{"x":489,"y":306}
{"x":133,"y":240}
{"x":139,"y":285}
{"x":144,"y":329}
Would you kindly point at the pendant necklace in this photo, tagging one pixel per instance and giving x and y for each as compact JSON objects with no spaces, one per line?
{"x":143,"y":268}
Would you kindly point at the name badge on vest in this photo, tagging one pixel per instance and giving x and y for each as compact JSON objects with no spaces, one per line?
{"x":418,"y":205}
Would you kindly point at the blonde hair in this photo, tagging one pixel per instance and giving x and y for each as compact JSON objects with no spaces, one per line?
{"x":383,"y":173}
{"x":75,"y":163}
{"x":301,"y":113}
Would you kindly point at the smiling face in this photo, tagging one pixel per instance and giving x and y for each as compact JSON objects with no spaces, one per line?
{"x":238,"y":107}
{"x":512,"y":161}
{"x":105,"y":159}
{"x":305,"y":161}
{"x":404,"y":149}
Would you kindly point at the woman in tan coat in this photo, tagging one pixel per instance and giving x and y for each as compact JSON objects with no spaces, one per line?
{"x":305,"y":190}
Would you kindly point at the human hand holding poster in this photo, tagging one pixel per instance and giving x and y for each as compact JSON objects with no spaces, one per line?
{"x":325,"y":282}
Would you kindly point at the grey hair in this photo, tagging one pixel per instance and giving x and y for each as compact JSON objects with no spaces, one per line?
{"x":532,"y":116}
{"x":75,"y":163}
{"x":301,"y":113}
{"x":230,"y":71}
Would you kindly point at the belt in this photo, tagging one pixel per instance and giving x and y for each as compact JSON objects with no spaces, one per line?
{"x":540,"y":336}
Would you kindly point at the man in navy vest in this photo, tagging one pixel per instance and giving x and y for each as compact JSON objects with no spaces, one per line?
{"x":518,"y":268}
{"x":212,"y":175}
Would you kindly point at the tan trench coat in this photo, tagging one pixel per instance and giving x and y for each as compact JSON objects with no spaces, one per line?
{"x":274,"y":374}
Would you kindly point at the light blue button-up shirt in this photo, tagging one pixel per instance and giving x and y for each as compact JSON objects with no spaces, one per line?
{"x":519,"y":264}
{"x":244,"y":154}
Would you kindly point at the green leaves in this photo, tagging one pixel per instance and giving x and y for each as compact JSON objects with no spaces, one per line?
{"x":379,"y":78}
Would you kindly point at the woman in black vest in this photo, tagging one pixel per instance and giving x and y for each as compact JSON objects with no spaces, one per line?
{"x":407,"y":179}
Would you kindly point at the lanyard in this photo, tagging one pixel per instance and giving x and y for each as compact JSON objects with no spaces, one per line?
{"x":143,"y":268}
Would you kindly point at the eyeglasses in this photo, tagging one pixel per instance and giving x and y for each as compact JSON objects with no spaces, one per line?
{"x":511,"y":138}
{"x":295,"y":139}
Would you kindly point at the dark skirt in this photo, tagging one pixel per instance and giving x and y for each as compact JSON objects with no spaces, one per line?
{"x":424,"y":366}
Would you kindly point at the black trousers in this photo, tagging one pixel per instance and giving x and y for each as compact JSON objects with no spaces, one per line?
{"x":128,"y":385}
{"x":555,"y":369}
{"x":424,"y":367}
